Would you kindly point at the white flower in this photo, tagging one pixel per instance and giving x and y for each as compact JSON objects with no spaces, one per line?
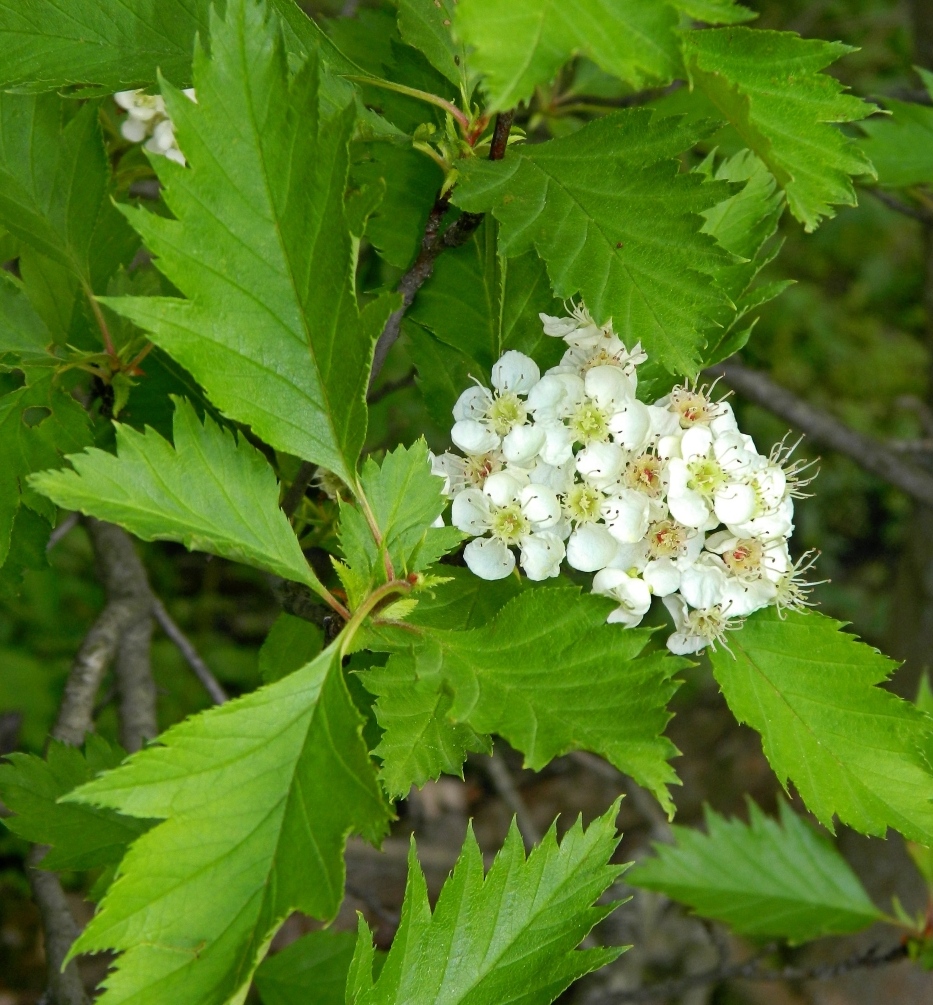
{"x":512,"y":513}
{"x":462,"y":472}
{"x":148,"y":120}
{"x":609,"y":350}
{"x":578,"y":330}
{"x":483,"y":418}
{"x":695,"y":630}
{"x":632,"y":593}
{"x":699,"y":486}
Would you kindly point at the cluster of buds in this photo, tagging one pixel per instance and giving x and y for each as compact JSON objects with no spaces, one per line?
{"x":147,"y":122}
{"x":664,"y":500}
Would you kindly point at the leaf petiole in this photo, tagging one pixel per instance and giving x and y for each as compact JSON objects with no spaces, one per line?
{"x":413,"y":92}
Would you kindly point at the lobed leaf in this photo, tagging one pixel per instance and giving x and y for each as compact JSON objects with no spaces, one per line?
{"x":261,"y":247}
{"x":428,"y":27}
{"x":82,"y":837}
{"x":547,"y":674}
{"x":521,"y":44}
{"x":851,"y":748}
{"x":508,"y":936}
{"x":209,"y":492}
{"x":763,"y":879}
{"x":250,"y":832}
{"x":769,"y":86}
{"x":615,"y":220}
{"x":900,"y":145}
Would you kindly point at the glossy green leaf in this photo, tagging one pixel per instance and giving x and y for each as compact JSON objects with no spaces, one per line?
{"x":764,"y":880}
{"x":250,"y":832}
{"x":521,"y":44}
{"x":768,"y":84}
{"x":547,"y":674}
{"x":291,"y":643}
{"x":81,"y":837}
{"x":508,"y":936}
{"x":852,"y":749}
{"x":209,"y":492}
{"x":613,"y":217}
{"x":261,"y":247}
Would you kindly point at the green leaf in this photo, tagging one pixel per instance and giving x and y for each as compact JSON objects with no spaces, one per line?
{"x":547,"y":674}
{"x":442,"y":372}
{"x":412,"y":181}
{"x":427,"y":26}
{"x":614,"y":219}
{"x":209,"y":492}
{"x":419,"y":741}
{"x":405,"y":499}
{"x":45,"y":46}
{"x":251,"y":831}
{"x":22,"y":331}
{"x":482,"y":304}
{"x":82,"y":837}
{"x":900,"y":145}
{"x":851,"y":748}
{"x":38,"y":423}
{"x":291,"y":643}
{"x":311,"y":971}
{"x":506,"y":937}
{"x":55,"y":186}
{"x":764,"y":879}
{"x":261,"y":247}
{"x":715,"y":11}
{"x":521,"y":45}
{"x":769,"y":86}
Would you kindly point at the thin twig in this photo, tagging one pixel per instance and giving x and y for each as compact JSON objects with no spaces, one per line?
{"x":752,"y":970}
{"x":498,"y":771}
{"x":873,"y":455}
{"x":136,"y":690}
{"x":433,"y":243}
{"x":918,"y":213}
{"x":390,"y":387}
{"x":62,"y":530}
{"x":296,"y":491}
{"x":201,"y":670}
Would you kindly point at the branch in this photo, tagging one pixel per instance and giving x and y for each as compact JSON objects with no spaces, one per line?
{"x":873,"y":455}
{"x":752,"y":970}
{"x":65,"y":987}
{"x":201,"y":670}
{"x":433,"y":243}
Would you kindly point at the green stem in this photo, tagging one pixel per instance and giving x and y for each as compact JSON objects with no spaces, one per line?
{"x":412,"y":92}
{"x":367,"y":607}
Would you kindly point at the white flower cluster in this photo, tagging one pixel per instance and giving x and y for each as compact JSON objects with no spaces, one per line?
{"x":668,"y":500}
{"x":146,"y":119}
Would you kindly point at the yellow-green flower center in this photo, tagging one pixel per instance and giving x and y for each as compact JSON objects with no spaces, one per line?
{"x":509,"y":524}
{"x":506,"y":411}
{"x":745,"y":558}
{"x":584,"y":503}
{"x":706,"y":476}
{"x":589,"y":422}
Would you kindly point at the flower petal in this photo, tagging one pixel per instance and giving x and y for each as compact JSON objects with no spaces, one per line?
{"x":541,"y":555}
{"x":523,"y":443}
{"x":488,"y":558}
{"x":590,"y":547}
{"x":474,"y":437}
{"x":470,"y":512}
{"x":514,"y":371}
